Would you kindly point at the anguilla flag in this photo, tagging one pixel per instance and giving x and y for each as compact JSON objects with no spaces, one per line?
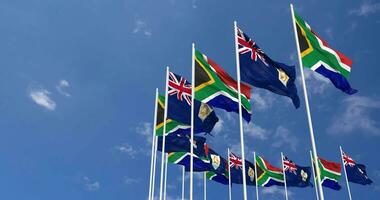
{"x":181,"y":143}
{"x":296,"y":176}
{"x":236,"y":170}
{"x":179,"y":106}
{"x":318,"y":56}
{"x":259,"y":70}
{"x":356,"y":173}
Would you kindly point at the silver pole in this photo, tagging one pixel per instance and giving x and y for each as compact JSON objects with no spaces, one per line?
{"x":163,"y":160}
{"x":153,"y":144}
{"x":229,"y":176}
{"x":345,"y":173}
{"x":192,"y":120}
{"x":166,"y":174}
{"x":315,"y":181}
{"x":204,"y":186}
{"x":154,"y":167}
{"x":257,"y":186}
{"x":283,"y":171}
{"x":307,"y":104}
{"x":183,"y":182}
{"x":240,"y":114}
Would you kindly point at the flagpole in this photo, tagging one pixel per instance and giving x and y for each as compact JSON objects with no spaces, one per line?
{"x":307,"y":105}
{"x":229,"y":176}
{"x":166,"y":174}
{"x":204,"y":186}
{"x":257,"y":186}
{"x":192,"y":119}
{"x":283,"y":171}
{"x":163,"y":160}
{"x":183,"y":182}
{"x":153,"y":140}
{"x":315,"y":181}
{"x":154,"y":166}
{"x":240,"y":114}
{"x":345,"y":172}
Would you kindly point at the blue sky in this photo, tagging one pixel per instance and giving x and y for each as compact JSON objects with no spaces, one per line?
{"x":78,"y":78}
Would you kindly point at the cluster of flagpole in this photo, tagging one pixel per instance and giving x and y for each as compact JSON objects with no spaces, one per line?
{"x":164,"y":156}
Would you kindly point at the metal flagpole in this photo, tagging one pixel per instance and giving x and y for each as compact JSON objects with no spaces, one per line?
{"x":192,"y":119}
{"x":257,"y":186}
{"x":315,"y":181}
{"x":153,"y":141}
{"x":345,"y":173}
{"x":154,"y":166}
{"x":183,"y":182}
{"x":163,"y":160}
{"x":166,"y":174}
{"x":307,"y":104}
{"x":204,"y":186}
{"x":240,"y":114}
{"x":283,"y":171}
{"x":229,"y":176}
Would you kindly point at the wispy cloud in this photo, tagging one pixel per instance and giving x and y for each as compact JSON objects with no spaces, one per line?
{"x":256,"y":131}
{"x":130,"y":180}
{"x":145,"y":130}
{"x":275,"y":191}
{"x":262,"y":100}
{"x":366,"y":8}
{"x":329,"y":33}
{"x":355,"y":115}
{"x":62,"y":85}
{"x":127,"y":149}
{"x":284,"y":137}
{"x":316,"y":82}
{"x":41,"y":97}
{"x":141,"y":27}
{"x":194,"y":4}
{"x":91,"y":185}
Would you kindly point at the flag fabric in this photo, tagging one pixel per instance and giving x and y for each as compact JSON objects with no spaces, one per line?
{"x":236,"y":170}
{"x":259,"y":70}
{"x":215,"y":87}
{"x":179,"y":106}
{"x":330,"y":173}
{"x":181,"y":143}
{"x":267,"y":175}
{"x":217,"y":177}
{"x":205,"y":159}
{"x":296,"y":176}
{"x":318,"y":56}
{"x":356,"y":173}
{"x":172,"y":127}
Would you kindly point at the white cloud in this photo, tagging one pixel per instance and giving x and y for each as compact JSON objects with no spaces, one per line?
{"x":329,"y":32}
{"x":284,"y":137}
{"x":218,"y":127}
{"x":274,"y":190}
{"x":41,"y":97}
{"x":262,"y":100}
{"x":194,"y":4}
{"x":256,"y":131}
{"x":129,"y":180}
{"x":127,"y":149}
{"x":366,"y":8}
{"x":142,"y":27}
{"x":145,"y":129}
{"x":356,"y":116}
{"x":91,"y":185}
{"x":315,"y":82}
{"x":62,"y":84}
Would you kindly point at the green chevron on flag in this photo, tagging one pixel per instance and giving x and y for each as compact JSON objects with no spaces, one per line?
{"x":330,"y":173}
{"x":267,"y":175}
{"x":171,"y":125}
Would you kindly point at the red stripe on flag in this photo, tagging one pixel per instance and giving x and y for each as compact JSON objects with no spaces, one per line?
{"x":270,"y":167}
{"x":342,"y":57}
{"x":226,"y":78}
{"x":332,"y":166}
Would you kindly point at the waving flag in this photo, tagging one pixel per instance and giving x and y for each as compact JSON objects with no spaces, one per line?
{"x":181,"y":143}
{"x":236,"y":170}
{"x":296,"y":176}
{"x":267,"y":175}
{"x":217,"y":177}
{"x":318,"y":56}
{"x":215,"y":87}
{"x":172,"y":127}
{"x":179,"y":106}
{"x":356,"y":173}
{"x":330,"y":173}
{"x":259,"y":70}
